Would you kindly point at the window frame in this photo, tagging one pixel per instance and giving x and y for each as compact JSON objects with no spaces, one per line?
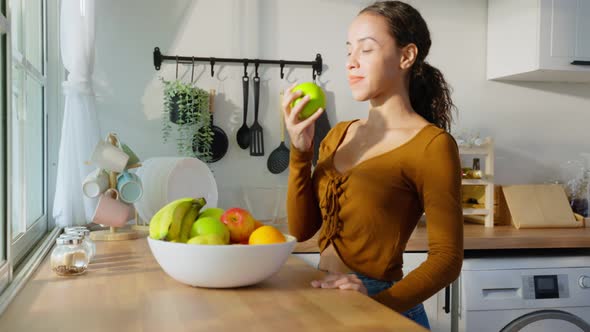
{"x":14,"y":274}
{"x":22,"y":244}
{"x":5,"y":227}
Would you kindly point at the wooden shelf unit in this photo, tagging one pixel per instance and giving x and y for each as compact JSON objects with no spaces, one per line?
{"x":487,"y":152}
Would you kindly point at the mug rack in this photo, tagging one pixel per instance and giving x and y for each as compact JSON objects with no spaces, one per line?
{"x":316,"y":65}
{"x":119,"y":233}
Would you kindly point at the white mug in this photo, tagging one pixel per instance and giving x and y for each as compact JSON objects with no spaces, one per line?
{"x":109,"y":157}
{"x":95,"y":183}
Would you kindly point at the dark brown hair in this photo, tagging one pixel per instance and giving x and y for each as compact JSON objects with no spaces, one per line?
{"x":430,"y":94}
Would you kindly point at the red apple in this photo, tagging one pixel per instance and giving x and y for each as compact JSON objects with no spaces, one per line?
{"x":240,"y":224}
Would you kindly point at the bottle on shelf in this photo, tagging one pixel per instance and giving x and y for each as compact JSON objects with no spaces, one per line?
{"x":476,"y":170}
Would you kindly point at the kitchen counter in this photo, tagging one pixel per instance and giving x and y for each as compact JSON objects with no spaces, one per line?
{"x":126,"y":290}
{"x":478,"y":237}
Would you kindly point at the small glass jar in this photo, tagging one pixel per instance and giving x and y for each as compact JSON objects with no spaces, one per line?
{"x":69,"y":258}
{"x":476,"y":173}
{"x":87,"y":243}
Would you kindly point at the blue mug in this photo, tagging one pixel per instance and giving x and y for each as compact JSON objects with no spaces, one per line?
{"x":129,"y":187}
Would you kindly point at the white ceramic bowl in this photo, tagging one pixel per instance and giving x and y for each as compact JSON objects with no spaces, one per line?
{"x":221,"y":266}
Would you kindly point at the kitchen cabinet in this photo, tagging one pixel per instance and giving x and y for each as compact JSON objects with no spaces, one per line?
{"x":312,"y":259}
{"x":440,"y":320}
{"x":538,"y":40}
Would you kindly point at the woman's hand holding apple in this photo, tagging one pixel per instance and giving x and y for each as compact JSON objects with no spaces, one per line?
{"x":300,"y":131}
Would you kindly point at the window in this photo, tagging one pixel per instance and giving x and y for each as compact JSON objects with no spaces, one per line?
{"x":4,"y":266}
{"x":30,"y":78}
{"x":27,"y":127}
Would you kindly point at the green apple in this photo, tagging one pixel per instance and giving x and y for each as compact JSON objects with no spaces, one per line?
{"x":317,"y":98}
{"x":210,"y":225}
{"x":212,"y":212}
{"x":212,"y":239}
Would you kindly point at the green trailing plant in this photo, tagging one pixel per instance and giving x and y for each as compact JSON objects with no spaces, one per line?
{"x":186,"y":107}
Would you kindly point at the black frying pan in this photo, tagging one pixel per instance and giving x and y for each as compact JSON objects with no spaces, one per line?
{"x":220,"y":142}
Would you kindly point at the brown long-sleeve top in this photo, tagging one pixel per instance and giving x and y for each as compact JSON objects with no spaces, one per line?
{"x":369,"y":212}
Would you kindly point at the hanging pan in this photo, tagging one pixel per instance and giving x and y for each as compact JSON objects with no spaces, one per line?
{"x":220,"y":142}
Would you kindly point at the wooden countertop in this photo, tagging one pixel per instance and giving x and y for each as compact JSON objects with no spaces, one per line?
{"x":478,"y":237}
{"x":126,"y":290}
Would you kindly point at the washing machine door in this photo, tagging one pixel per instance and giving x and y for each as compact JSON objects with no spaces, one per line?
{"x":561,"y":321}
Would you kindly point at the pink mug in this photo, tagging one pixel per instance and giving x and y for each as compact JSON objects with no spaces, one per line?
{"x":110,"y":210}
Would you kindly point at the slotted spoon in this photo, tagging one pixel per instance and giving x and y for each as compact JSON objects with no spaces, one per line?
{"x":256,"y":137}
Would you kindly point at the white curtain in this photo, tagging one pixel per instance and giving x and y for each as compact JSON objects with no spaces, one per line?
{"x":80,"y":131}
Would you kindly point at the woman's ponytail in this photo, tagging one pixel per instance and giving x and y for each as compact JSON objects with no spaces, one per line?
{"x":430,"y":95}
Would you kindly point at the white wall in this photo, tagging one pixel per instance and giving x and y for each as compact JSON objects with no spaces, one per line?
{"x":536,"y":125}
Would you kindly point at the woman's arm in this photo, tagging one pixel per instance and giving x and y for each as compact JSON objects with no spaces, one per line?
{"x":440,"y":185}
{"x":303,"y":212}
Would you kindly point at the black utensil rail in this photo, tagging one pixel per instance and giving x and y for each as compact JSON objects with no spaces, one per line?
{"x":316,"y":65}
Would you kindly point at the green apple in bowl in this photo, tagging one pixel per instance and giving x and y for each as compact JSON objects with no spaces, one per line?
{"x":212,"y":212}
{"x":317,"y":99}
{"x":210,"y":239}
{"x":210,"y":226}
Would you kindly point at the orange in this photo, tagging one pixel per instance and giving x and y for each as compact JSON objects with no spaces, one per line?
{"x":266,"y":235}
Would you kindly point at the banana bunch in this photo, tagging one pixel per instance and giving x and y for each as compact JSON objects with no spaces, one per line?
{"x":173,"y":222}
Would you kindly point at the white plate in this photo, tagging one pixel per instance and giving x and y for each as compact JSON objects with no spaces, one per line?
{"x":153,"y":176}
{"x":160,"y":173}
{"x":191,"y":177}
{"x":141,"y":204}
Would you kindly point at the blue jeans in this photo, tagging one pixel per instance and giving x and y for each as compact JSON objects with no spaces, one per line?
{"x":374,"y":286}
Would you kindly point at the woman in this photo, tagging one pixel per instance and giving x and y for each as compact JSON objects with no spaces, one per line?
{"x":376,"y":176}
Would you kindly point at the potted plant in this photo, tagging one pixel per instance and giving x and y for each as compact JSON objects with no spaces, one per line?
{"x":187,"y":107}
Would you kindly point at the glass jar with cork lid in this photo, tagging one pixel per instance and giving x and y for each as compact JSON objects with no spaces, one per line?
{"x":69,"y":258}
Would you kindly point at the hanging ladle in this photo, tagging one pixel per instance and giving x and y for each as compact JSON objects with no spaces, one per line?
{"x":278,"y":161}
{"x":243,"y":134}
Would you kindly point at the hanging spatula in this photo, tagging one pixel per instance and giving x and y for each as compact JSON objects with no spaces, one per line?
{"x":256,"y":137}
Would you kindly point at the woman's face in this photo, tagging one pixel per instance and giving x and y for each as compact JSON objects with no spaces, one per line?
{"x":374,"y":65}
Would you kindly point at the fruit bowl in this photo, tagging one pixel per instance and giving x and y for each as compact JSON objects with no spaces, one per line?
{"x":221,"y":266}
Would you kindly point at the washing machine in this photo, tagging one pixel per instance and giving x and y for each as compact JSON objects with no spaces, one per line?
{"x":528,"y":294}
